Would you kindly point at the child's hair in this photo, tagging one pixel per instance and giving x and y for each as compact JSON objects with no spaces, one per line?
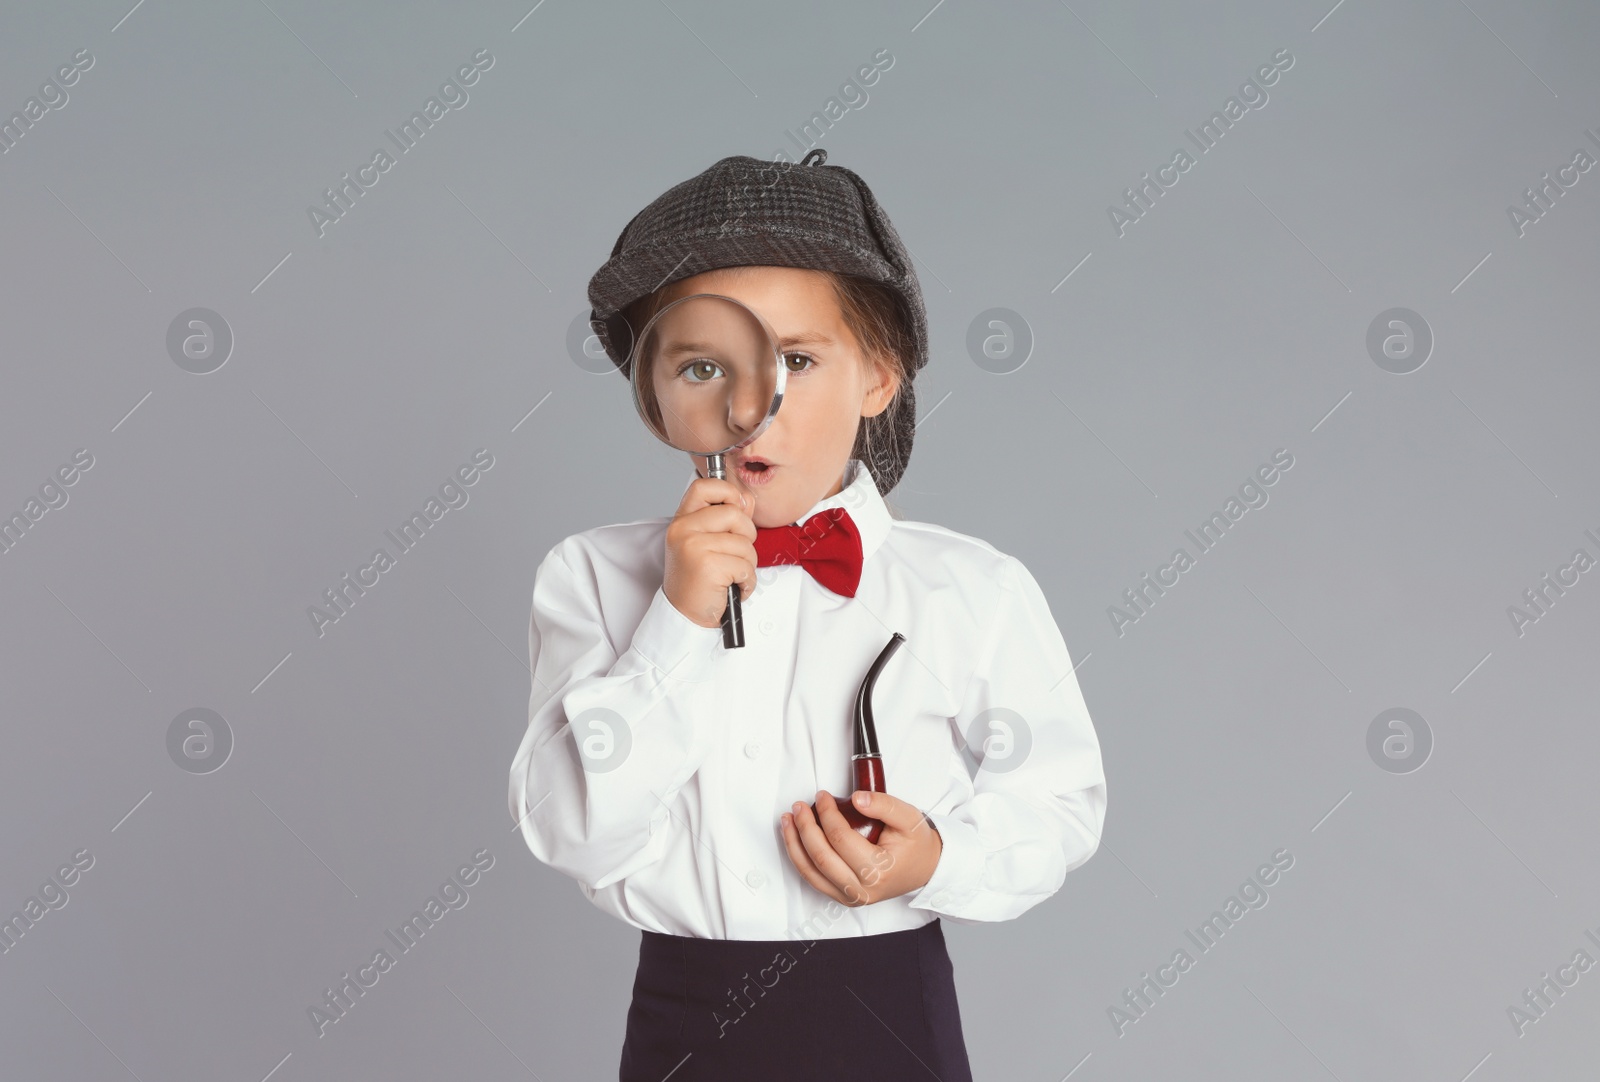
{"x":872,"y":312}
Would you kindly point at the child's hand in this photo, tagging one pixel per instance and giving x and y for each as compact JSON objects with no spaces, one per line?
{"x":711,"y":544}
{"x":845,"y":866}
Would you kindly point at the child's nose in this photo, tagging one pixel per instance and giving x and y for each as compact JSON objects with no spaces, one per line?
{"x":749,"y":406}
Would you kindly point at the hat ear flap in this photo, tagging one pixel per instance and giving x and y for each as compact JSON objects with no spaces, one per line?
{"x":616,"y":336}
{"x":887,"y":448}
{"x":907,"y":287}
{"x":883,"y":230}
{"x":884,"y":443}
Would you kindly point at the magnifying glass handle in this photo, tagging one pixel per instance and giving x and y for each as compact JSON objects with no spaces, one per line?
{"x":733,"y":615}
{"x":733,"y":620}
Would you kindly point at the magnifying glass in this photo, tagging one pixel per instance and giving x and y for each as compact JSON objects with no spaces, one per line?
{"x":708,"y":378}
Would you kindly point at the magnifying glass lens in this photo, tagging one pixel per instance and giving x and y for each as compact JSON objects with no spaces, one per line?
{"x":707,"y":376}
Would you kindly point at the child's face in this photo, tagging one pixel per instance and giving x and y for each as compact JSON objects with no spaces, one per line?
{"x":830,"y":386}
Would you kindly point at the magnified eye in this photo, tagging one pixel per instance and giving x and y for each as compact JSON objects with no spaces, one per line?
{"x":789,"y":359}
{"x":700,"y":371}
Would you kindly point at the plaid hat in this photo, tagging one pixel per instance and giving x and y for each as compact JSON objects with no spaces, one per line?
{"x":743,"y":211}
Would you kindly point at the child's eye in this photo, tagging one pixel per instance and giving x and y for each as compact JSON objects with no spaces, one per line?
{"x":699,"y":368}
{"x":788,"y":359}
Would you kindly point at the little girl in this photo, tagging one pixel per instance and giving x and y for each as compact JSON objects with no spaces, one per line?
{"x":674,"y":778}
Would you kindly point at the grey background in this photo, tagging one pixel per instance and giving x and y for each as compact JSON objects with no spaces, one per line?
{"x":370,"y":362}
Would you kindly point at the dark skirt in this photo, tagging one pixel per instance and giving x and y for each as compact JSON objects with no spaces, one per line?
{"x":879,"y":1006}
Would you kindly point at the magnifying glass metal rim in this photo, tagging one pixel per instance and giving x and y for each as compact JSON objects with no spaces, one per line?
{"x":733,"y":614}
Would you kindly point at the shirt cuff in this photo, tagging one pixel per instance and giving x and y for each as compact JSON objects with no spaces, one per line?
{"x":956,"y":877}
{"x":680,"y":648}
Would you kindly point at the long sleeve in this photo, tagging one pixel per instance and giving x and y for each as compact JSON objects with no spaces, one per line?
{"x":642,"y":719}
{"x":1039,"y":795}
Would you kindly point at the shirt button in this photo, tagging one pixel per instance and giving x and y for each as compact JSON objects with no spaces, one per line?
{"x":752,"y":749}
{"x":755,"y":879}
{"x":767,"y":626}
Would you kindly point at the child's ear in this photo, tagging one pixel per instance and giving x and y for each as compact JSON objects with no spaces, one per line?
{"x":886,"y":381}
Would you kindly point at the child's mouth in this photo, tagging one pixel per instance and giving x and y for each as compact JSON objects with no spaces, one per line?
{"x":756,"y":473}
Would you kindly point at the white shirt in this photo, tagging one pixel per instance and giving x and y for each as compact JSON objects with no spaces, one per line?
{"x":694,"y":750}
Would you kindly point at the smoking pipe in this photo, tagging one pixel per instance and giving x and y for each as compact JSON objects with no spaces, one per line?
{"x":866,"y":763}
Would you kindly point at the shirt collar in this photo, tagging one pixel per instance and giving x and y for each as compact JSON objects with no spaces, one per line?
{"x":859,"y":497}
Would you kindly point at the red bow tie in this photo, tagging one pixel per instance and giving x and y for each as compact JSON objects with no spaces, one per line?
{"x":827,"y":544}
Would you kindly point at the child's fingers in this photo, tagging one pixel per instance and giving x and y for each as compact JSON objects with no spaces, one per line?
{"x":802,"y":862}
{"x":858,"y":853}
{"x":715,"y":519}
{"x":717,"y":492}
{"x":824,"y":855}
{"x":891,"y":810}
{"x":859,"y":856}
{"x":737,"y":568}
